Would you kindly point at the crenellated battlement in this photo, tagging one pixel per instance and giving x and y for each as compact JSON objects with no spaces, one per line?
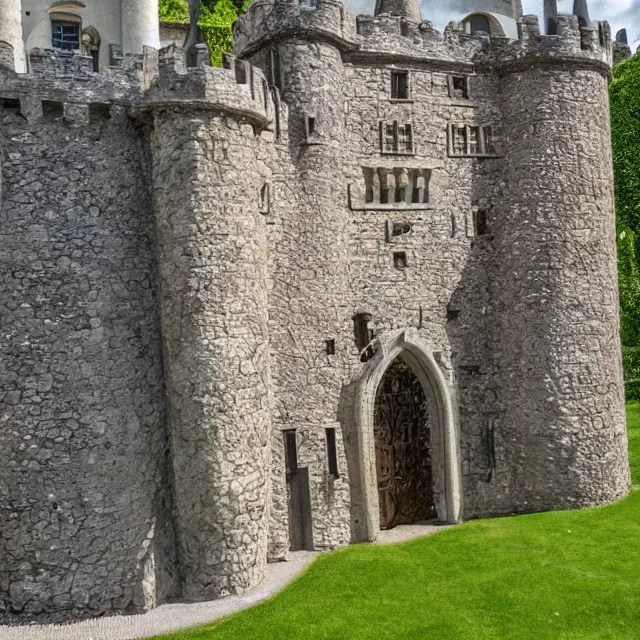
{"x":372,"y":37}
{"x":67,"y":79}
{"x":239,"y":88}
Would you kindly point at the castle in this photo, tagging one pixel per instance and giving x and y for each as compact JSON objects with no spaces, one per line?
{"x":363,"y":276}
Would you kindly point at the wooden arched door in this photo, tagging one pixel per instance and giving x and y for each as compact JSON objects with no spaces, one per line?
{"x":403,"y":448}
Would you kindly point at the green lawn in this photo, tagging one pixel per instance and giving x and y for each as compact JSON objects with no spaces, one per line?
{"x":564,"y":575}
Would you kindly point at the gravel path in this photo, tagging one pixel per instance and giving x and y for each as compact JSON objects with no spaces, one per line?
{"x":173,"y":617}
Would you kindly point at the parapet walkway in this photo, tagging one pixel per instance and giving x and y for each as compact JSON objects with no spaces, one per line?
{"x":173,"y":617}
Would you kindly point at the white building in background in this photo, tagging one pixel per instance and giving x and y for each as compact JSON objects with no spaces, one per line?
{"x":106,"y":29}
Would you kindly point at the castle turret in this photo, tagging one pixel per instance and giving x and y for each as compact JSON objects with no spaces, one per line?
{"x":206,"y":144}
{"x":140,"y":25}
{"x":11,"y":30}
{"x":409,"y":9}
{"x":558,"y":342}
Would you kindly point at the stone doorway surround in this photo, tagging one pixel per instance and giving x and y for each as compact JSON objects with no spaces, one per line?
{"x":447,"y":480}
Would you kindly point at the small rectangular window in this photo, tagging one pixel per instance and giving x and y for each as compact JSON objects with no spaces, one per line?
{"x":400,"y":260}
{"x":99,"y":111}
{"x":400,"y":85}
{"x":9,"y":103}
{"x":459,"y":87}
{"x":308,"y":5}
{"x":52,"y":110}
{"x":290,"y":451}
{"x":405,"y":139}
{"x":311,"y":126}
{"x":330,"y":347}
{"x":65,"y":35}
{"x":332,"y":453}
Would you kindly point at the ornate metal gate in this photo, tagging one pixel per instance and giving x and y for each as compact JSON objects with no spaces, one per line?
{"x":403,"y":448}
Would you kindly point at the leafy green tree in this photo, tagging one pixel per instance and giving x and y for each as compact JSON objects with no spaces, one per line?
{"x":625,"y":131}
{"x":216,"y":20}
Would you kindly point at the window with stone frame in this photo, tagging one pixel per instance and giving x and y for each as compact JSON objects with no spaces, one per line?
{"x":65,"y":34}
{"x":458,"y":87}
{"x":400,"y":85}
{"x":396,"y":138}
{"x":471,"y":140}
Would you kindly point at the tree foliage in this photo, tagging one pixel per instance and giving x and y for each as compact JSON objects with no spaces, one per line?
{"x":625,"y":131}
{"x":216,"y":20}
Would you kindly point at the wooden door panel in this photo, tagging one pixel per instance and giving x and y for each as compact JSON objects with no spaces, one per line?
{"x":403,"y":448}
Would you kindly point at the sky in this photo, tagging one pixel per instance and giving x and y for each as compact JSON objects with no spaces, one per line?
{"x":619,"y":13}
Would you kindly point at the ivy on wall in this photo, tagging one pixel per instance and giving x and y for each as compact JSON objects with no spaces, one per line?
{"x":216,"y":19}
{"x":625,"y":132}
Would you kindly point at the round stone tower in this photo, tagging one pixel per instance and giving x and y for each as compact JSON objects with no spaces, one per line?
{"x":558,"y":344}
{"x":212,"y":265}
{"x":310,"y":302}
{"x":11,"y":30}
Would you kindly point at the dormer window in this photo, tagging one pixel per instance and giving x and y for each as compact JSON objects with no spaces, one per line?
{"x":479,"y":25}
{"x":65,"y":33}
{"x":400,"y":85}
{"x":482,"y":24}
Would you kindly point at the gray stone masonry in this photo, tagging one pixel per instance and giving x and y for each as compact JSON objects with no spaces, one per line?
{"x":182,"y":255}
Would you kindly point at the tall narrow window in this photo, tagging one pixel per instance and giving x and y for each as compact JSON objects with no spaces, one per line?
{"x":241,"y":72}
{"x":480,"y":222}
{"x":363,"y":335}
{"x":474,"y":140}
{"x":332,"y":453}
{"x":459,"y":142}
{"x":290,"y":451}
{"x":65,"y":34}
{"x":488,"y":145}
{"x":400,"y":85}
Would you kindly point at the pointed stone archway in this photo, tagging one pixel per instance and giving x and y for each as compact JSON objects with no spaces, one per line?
{"x":447,"y":485}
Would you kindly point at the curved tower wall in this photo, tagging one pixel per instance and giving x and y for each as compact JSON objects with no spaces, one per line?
{"x":212,"y":263}
{"x":310,"y":302}
{"x":11,"y":30}
{"x":84,"y":493}
{"x":140,"y":25}
{"x":558,"y":346}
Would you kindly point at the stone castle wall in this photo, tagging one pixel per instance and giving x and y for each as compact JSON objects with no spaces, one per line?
{"x":193,"y":246}
{"x":84,"y":489}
